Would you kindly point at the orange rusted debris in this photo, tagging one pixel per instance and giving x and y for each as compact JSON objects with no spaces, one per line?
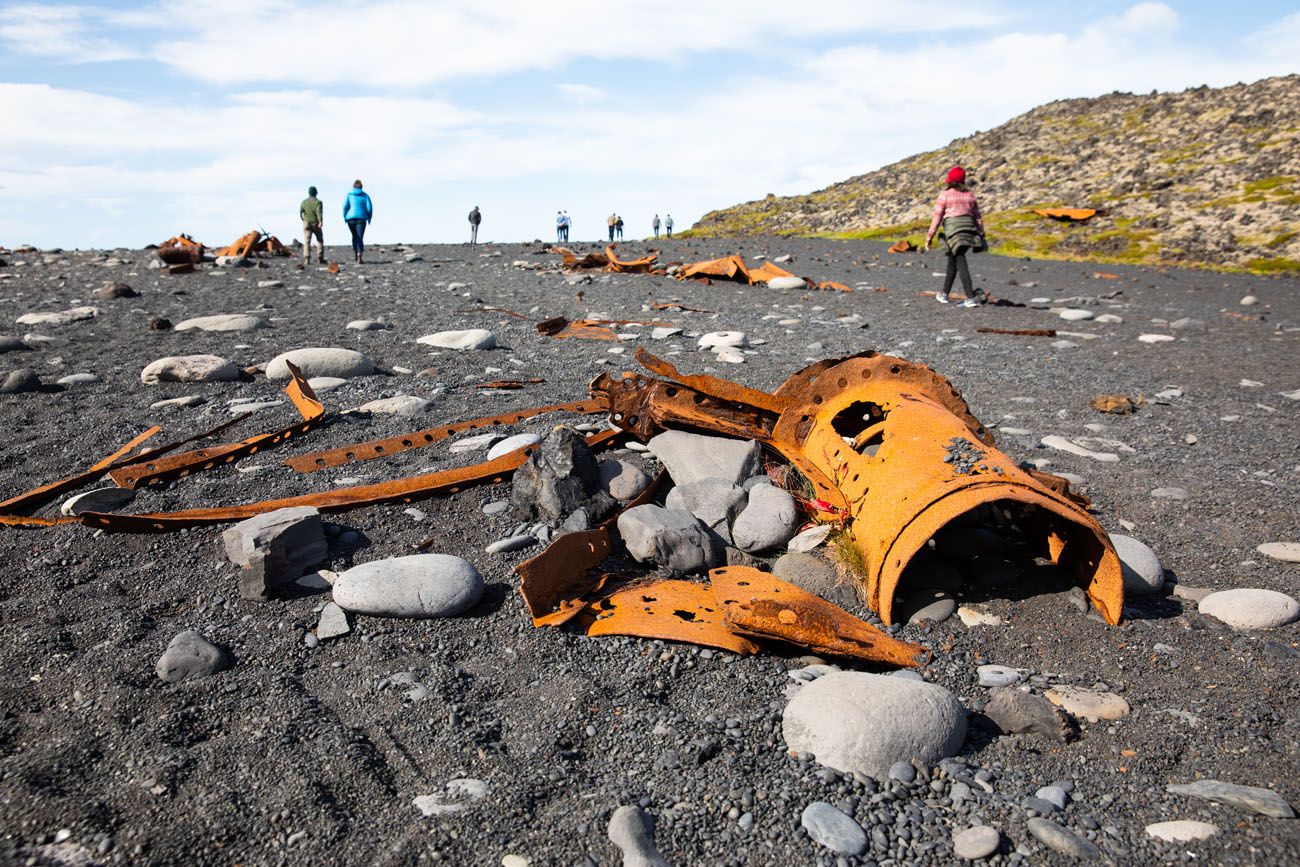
{"x":677,"y":305}
{"x":1020,"y":332}
{"x":1067,"y":215}
{"x":903,"y":246}
{"x":1115,"y":404}
{"x":630,"y":266}
{"x":1102,"y":275}
{"x":509,"y":384}
{"x":180,"y":250}
{"x":670,"y":609}
{"x":253,"y":243}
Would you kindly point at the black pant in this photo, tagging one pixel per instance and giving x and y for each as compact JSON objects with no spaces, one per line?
{"x":611,"y":233}
{"x":358,"y":230}
{"x":956,"y":265}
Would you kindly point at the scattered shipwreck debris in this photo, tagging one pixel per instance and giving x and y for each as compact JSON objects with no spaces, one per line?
{"x":1068,"y":215}
{"x":1116,"y":404}
{"x":903,"y":246}
{"x":729,"y":268}
{"x":254,"y":243}
{"x":885,"y":450}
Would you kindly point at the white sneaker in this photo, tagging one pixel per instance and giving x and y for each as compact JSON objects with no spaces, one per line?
{"x":941,"y":297}
{"x":970,"y":302}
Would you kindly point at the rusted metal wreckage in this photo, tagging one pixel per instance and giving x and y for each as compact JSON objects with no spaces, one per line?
{"x":885,"y":449}
{"x":729,"y":268}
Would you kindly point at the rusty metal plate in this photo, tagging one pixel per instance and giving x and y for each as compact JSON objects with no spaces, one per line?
{"x":672,"y":610}
{"x":1020,"y":332}
{"x":1068,"y":215}
{"x":760,"y":605}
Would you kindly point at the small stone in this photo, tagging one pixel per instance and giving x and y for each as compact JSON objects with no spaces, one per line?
{"x":78,"y":379}
{"x":274,"y":548}
{"x":1062,"y":444}
{"x":189,"y":368}
{"x":1249,"y":301}
{"x":723,"y":339}
{"x":1075,"y":315}
{"x":187,"y":400}
{"x":1287,"y":552}
{"x":223,"y":322}
{"x":664,"y":332}
{"x":270,"y":284}
{"x":322,"y":384}
{"x":474,"y":443}
{"x":62,"y":317}
{"x":632,"y":830}
{"x":971,"y":615}
{"x":1063,"y":840}
{"x":506,"y":860}
{"x":1186,"y":324}
{"x":316,"y":361}
{"x":768,"y":521}
{"x":559,"y":476}
{"x":716,"y":502}
{"x":1108,"y":319}
{"x":1192,"y":594}
{"x":975,"y":843}
{"x":99,"y":500}
{"x":1141,"y":568}
{"x":1170,"y":494}
{"x":190,"y":656}
{"x":333,"y":622}
{"x":461,"y":341}
{"x":511,"y":543}
{"x":23,"y":381}
{"x":1248,"y":799}
{"x":511,"y":444}
{"x":367,"y":325}
{"x":112,"y":290}
{"x":622,"y":480}
{"x":1054,"y":795}
{"x":1250,"y":608}
{"x":927,"y":606}
{"x":787,"y":283}
{"x":458,"y":796}
{"x":1092,"y":705}
{"x":730,"y":356}
{"x":1016,"y":712}
{"x":405,"y":405}
{"x":834,"y":829}
{"x":1181,"y":831}
{"x":904,"y":772}
{"x":673,"y":538}
{"x":1155,"y":338}
{"x":419,"y":586}
{"x":999,"y":675}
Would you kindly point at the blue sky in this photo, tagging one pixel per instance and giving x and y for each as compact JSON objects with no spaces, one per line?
{"x":128,"y":122}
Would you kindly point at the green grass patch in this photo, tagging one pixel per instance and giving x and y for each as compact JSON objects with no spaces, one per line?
{"x":1273,"y":266}
{"x":1280,"y":240}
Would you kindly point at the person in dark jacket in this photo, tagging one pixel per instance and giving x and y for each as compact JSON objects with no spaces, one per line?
{"x":668,"y":225}
{"x":618,"y":228}
{"x":312,"y":212}
{"x":474,"y":219}
{"x":655,"y":225}
{"x":358,"y":211}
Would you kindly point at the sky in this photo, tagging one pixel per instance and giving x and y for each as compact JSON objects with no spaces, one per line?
{"x":126,"y":123}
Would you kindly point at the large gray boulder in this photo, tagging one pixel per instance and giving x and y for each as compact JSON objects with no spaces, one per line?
{"x":321,"y":361}
{"x":690,"y":457}
{"x":273,"y":549}
{"x":189,"y":368}
{"x":419,"y":586}
{"x":672,"y":538}
{"x":557,"y":478}
{"x":863,"y":723}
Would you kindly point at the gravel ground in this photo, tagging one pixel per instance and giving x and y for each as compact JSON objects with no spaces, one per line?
{"x":313,"y":755}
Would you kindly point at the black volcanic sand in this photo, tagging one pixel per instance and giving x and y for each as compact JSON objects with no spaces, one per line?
{"x":299,"y":755}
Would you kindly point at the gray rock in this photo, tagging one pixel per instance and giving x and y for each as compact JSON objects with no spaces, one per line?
{"x":78,"y":379}
{"x":333,"y":622}
{"x":274,"y":548}
{"x":316,"y":361}
{"x":716,"y":502}
{"x":1143,"y":573}
{"x":814,"y":574}
{"x":1286,"y":552}
{"x":933,"y":606}
{"x":1017,"y":712}
{"x":904,"y":772}
{"x":368,"y":325}
{"x":21,"y":381}
{"x":189,"y":368}
{"x":975,"y":843}
{"x":999,"y":675}
{"x":690,"y":457}
{"x":1063,"y":840}
{"x":12,"y":344}
{"x":190,"y":656}
{"x":1186,"y":324}
{"x":673,"y":538}
{"x":622,"y":480}
{"x":511,"y":543}
{"x":769,"y":520}
{"x":98,"y":500}
{"x":864,"y":723}
{"x":61,"y":317}
{"x":1090,"y":704}
{"x":1054,"y":795}
{"x":474,"y":443}
{"x":1250,"y":608}
{"x":404,"y":405}
{"x":1248,"y":799}
{"x":512,"y":443}
{"x":1181,"y":831}
{"x":496,"y":507}
{"x":786,"y":283}
{"x":418,"y":586}
{"x":834,"y":829}
{"x":556,"y":479}
{"x":461,"y":341}
{"x":632,"y":830}
{"x":223,"y":322}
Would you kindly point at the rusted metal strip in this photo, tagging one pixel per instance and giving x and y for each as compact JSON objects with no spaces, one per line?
{"x":1020,"y":332}
{"x":150,"y":472}
{"x":509,"y":384}
{"x":671,"y":609}
{"x":760,"y":605}
{"x":380,"y":448}
{"x":712,"y":385}
{"x":125,"y":450}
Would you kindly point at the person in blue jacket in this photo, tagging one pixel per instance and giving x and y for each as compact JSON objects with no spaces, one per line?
{"x":357,"y":213}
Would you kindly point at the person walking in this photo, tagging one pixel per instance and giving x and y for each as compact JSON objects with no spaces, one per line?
{"x":963,"y":232}
{"x":474,"y":219}
{"x":618,"y":227}
{"x":655,"y":224}
{"x":668,"y":225}
{"x":312,"y":211}
{"x":610,"y":221}
{"x":567,"y":223}
{"x":358,"y":211}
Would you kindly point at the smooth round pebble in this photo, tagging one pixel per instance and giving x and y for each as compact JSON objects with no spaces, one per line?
{"x":976,"y":843}
{"x":1251,"y":608}
{"x":1181,"y":831}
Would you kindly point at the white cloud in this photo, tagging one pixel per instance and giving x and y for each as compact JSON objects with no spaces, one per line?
{"x":581,"y":93}
{"x":58,"y":33}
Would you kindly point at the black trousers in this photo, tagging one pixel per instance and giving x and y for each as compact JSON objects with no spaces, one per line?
{"x":957,"y":265}
{"x":358,"y":230}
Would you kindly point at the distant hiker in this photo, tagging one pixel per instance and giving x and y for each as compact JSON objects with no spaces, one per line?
{"x":668,"y":225}
{"x":474,"y":219}
{"x":656,"y":226}
{"x":358,"y":211}
{"x":618,"y":227}
{"x":963,"y":232}
{"x":562,"y":223}
{"x":611,"y":221}
{"x":312,"y":211}
{"x":568,"y":221}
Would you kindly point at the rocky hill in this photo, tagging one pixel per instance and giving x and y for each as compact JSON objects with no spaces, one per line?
{"x":1203,"y":177}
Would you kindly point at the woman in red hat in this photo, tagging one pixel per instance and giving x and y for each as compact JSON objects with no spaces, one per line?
{"x":963,"y":231}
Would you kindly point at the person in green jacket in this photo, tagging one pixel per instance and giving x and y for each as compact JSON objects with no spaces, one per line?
{"x":312,"y":211}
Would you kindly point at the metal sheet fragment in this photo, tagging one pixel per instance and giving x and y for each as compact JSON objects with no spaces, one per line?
{"x":1020,"y":332}
{"x":1067,"y":215}
{"x":760,"y":605}
{"x":670,"y":609}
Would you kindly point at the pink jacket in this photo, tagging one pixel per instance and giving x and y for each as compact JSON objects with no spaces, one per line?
{"x":954,"y":203}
